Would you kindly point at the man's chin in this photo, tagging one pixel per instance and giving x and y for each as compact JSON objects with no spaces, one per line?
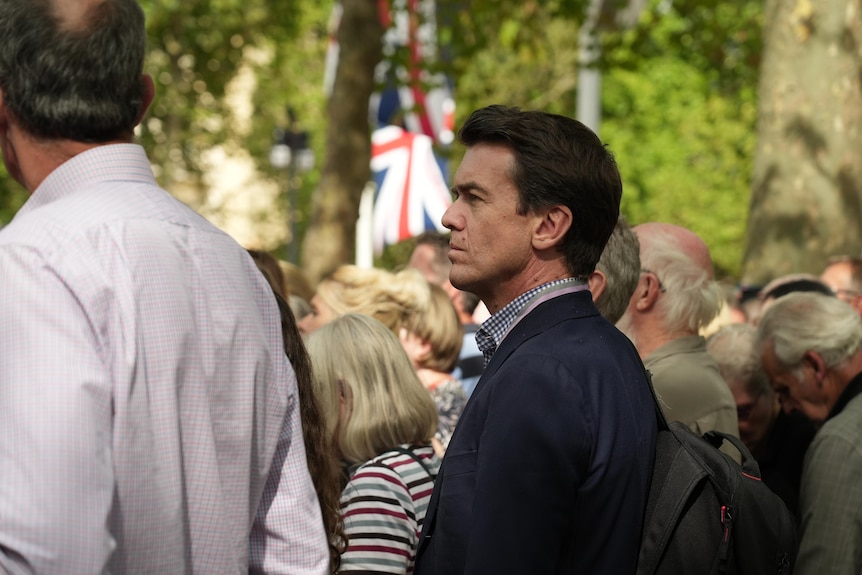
{"x":459,"y":281}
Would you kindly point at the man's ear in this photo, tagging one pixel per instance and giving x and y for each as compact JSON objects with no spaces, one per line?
{"x":4,"y":120}
{"x":597,"y":282}
{"x":647,"y":292}
{"x":148,"y":92}
{"x":552,"y":228}
{"x":815,"y":361}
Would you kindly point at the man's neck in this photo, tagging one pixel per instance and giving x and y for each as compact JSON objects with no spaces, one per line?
{"x":534,"y":276}
{"x":651,"y":337}
{"x":843,"y":375}
{"x":37,"y":158}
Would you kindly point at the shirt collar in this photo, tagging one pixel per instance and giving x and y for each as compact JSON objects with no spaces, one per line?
{"x":110,"y":162}
{"x":853,"y":389}
{"x":494,"y":329}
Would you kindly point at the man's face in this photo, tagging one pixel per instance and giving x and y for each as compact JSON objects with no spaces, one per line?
{"x":756,"y":413}
{"x":321,"y":314}
{"x":491,"y":244}
{"x":801,"y":394}
{"x":422,"y":259}
{"x":838,"y":277}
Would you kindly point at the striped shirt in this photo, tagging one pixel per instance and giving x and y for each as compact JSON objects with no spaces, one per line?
{"x":384,"y":505}
{"x":149,"y":419}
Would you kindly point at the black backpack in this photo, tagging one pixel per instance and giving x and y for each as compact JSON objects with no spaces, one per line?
{"x":707,"y":514}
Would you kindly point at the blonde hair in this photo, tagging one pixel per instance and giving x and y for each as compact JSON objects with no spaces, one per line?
{"x":438,"y":325}
{"x":357,"y":356}
{"x":387,"y":297}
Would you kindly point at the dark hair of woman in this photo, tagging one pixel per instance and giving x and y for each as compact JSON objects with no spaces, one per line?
{"x":319,"y":448}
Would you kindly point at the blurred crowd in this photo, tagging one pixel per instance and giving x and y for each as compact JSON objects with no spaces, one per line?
{"x":172,"y":402}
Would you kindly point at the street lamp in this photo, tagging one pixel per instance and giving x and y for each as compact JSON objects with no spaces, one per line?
{"x":290,"y":152}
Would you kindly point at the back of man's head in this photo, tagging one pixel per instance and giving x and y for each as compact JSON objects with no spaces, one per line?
{"x":808,"y":321}
{"x":680,"y":260}
{"x":733,"y":347}
{"x":620,"y":264}
{"x":558,"y":161}
{"x":72,"y":69}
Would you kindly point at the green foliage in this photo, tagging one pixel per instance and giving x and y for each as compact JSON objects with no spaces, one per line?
{"x":196,"y":48}
{"x":680,"y":112}
{"x":12,"y":196}
{"x":679,"y":93}
{"x":679,"y":100}
{"x":685,"y":153}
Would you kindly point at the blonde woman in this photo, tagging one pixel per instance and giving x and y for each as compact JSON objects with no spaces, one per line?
{"x":381,"y":420}
{"x":386,"y":296}
{"x":432,"y":337}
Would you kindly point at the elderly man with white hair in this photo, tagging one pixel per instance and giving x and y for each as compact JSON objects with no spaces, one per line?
{"x":675,"y":297}
{"x":811,"y":347}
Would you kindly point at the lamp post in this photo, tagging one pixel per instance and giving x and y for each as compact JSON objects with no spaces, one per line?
{"x":290,"y":152}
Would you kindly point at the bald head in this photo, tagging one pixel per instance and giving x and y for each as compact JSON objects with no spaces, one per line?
{"x":676,"y":295}
{"x":75,"y":15}
{"x":72,"y":70}
{"x":687,"y":242}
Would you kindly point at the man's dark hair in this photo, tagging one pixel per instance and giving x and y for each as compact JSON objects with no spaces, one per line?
{"x":558,"y":161}
{"x":73,"y":80}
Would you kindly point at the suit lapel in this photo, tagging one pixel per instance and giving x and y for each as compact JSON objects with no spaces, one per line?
{"x":539,"y":320}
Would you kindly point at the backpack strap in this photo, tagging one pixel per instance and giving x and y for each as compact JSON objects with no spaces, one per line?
{"x":409,"y":452}
{"x":659,"y":414}
{"x":750,"y":467}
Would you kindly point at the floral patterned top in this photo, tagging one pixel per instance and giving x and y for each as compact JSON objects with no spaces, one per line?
{"x":450,"y":398}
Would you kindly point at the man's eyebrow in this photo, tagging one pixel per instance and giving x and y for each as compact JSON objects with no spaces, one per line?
{"x":471,"y":186}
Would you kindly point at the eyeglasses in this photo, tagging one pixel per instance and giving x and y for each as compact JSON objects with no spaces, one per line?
{"x":845,"y":293}
{"x":658,"y":279}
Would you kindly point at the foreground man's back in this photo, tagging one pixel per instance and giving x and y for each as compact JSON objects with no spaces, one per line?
{"x":149,"y":419}
{"x":144,"y":390}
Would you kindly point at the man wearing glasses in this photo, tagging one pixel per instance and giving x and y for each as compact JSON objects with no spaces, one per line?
{"x":676,"y":297}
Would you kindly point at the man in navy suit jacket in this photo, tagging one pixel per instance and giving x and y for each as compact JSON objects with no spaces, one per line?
{"x":549,"y":467}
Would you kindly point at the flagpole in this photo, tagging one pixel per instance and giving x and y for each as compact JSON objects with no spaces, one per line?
{"x":365,"y":228}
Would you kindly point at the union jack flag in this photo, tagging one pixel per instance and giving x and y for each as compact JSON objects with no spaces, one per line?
{"x":412,"y":194}
{"x":420,"y":101}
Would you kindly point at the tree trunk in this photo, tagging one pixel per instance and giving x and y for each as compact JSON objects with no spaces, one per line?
{"x":331,"y":237}
{"x":806,"y":202}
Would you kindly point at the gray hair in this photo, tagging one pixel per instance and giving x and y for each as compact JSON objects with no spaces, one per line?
{"x":692,"y":298}
{"x":621,"y":263}
{"x":80,"y":81}
{"x":734,"y":349}
{"x":807,"y":321}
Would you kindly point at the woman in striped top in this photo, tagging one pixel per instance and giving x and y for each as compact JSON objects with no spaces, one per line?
{"x":382,"y":420}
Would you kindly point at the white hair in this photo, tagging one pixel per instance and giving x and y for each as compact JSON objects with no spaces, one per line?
{"x":734,"y":349}
{"x":807,"y":321}
{"x":692,"y":299}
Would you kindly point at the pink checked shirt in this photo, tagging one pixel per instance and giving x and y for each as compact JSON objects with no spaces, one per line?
{"x":149,"y":419}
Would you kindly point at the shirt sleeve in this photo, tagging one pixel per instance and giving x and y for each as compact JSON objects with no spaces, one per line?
{"x":379,"y":521}
{"x":56,"y":475}
{"x":287,"y":536}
